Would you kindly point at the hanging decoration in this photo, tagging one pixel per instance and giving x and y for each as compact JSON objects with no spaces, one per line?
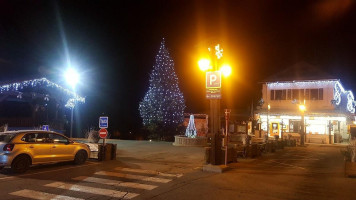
{"x":19,"y":95}
{"x":74,"y":97}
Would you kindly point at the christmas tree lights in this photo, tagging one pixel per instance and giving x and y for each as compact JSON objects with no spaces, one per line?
{"x":164,"y":102}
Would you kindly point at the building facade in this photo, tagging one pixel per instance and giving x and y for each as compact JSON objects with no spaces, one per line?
{"x":329,"y":110}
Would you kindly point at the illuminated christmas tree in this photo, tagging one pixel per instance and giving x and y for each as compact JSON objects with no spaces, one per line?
{"x":163,"y":105}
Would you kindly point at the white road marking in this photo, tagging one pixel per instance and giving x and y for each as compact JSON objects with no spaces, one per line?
{"x":144,"y":171}
{"x":55,"y":170}
{"x":115,"y":183}
{"x":137,"y":177}
{"x":93,"y":190}
{"x":41,"y":195}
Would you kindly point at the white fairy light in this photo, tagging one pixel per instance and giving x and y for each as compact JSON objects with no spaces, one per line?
{"x":39,"y":82}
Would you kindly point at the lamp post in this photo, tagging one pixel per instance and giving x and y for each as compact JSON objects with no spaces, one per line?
{"x":302,"y":126}
{"x":227,"y":116}
{"x":72,"y":78}
{"x":268,"y":108}
{"x":213,"y":93}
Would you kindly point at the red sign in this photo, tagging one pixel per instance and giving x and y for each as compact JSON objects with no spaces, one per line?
{"x":213,"y":79}
{"x":103,"y":133}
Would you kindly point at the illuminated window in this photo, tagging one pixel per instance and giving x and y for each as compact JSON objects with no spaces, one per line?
{"x":294,"y":126}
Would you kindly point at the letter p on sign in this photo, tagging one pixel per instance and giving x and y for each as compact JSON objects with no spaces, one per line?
{"x":213,"y":79}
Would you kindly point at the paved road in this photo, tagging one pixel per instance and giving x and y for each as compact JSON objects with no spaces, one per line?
{"x":312,"y":172}
{"x":154,"y":170}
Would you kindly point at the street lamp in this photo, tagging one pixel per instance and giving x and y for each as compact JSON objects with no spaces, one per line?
{"x":213,"y":88}
{"x":302,"y":109}
{"x":72,"y":78}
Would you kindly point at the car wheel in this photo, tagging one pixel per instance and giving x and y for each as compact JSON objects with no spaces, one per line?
{"x":20,"y":164}
{"x":80,"y":157}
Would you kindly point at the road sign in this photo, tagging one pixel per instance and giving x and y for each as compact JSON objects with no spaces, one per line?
{"x":213,"y":85}
{"x":103,"y":133}
{"x":213,"y":93}
{"x":103,"y":122}
{"x":213,"y":79}
{"x":45,"y":127}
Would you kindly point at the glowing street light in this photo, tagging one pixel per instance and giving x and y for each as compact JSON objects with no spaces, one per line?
{"x":225,"y":70}
{"x":72,"y":78}
{"x":302,"y":107}
{"x":204,"y":64}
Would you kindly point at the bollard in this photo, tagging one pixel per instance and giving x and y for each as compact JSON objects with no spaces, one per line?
{"x":107,"y":152}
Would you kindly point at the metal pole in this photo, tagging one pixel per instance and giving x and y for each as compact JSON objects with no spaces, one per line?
{"x":227,"y":113}
{"x":71,"y":123}
{"x":330,"y":132}
{"x":267,"y":123}
{"x":214,"y":128}
{"x":302,"y":135}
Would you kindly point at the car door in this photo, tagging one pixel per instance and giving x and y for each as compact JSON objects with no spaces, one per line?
{"x":38,"y":146}
{"x":62,"y":148}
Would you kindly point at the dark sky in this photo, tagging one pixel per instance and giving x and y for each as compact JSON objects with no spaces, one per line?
{"x":114,"y":43}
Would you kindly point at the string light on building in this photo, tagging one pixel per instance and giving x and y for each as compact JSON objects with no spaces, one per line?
{"x":339,"y":93}
{"x":39,"y":82}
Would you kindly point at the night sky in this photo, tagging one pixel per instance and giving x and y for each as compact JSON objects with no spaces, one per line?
{"x":114,"y":43}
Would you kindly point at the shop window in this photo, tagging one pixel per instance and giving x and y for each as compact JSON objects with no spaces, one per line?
{"x":274,"y":127}
{"x":294,"y":126}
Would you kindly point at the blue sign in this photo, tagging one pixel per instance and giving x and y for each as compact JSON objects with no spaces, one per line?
{"x":45,"y":127}
{"x":103,"y":122}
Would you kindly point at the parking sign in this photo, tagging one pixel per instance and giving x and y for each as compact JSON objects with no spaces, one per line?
{"x":213,"y":79}
{"x":103,"y":122}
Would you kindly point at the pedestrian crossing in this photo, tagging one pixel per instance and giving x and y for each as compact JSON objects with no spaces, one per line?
{"x":121,"y":183}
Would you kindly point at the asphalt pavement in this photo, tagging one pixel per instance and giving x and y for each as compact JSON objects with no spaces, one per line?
{"x":159,"y":170}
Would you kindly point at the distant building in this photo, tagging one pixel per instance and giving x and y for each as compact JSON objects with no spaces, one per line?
{"x":329,"y":106}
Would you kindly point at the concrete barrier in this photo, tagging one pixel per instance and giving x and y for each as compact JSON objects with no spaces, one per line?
{"x":180,"y":140}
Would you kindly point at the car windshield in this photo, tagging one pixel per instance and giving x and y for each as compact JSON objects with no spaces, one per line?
{"x":6,"y":137}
